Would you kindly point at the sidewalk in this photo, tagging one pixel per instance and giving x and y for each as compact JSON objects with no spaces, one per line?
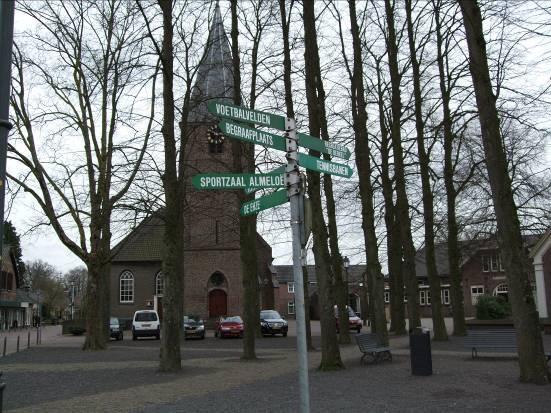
{"x":32,"y":337}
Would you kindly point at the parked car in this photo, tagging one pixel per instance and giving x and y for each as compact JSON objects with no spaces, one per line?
{"x":271,"y":322}
{"x":354,"y":322}
{"x":145,"y":323}
{"x":115,"y":329}
{"x":229,"y":327}
{"x":193,"y":328}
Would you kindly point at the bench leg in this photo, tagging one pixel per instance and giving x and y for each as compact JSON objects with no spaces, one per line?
{"x":362,"y":360}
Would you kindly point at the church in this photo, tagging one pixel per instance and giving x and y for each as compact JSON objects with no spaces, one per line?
{"x":211,"y":256}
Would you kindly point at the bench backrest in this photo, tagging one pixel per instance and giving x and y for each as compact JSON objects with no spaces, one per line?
{"x":495,"y":338}
{"x":367,"y":341}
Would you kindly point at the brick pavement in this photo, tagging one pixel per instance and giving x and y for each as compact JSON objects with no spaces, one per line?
{"x":59,"y":377}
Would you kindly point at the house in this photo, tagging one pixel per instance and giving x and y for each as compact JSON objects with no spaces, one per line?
{"x":541,"y":258}
{"x":17,"y":306}
{"x":212,"y":281}
{"x":481,"y":268}
{"x":285,"y":294}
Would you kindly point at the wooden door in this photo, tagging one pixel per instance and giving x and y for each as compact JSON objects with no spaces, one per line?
{"x":218,"y":303}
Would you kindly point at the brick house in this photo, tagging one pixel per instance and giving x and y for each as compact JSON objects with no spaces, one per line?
{"x":211,"y":255}
{"x":482,"y":273}
{"x":17,"y":306}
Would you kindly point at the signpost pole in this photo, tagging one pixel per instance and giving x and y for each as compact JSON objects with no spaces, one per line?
{"x":295,"y":192}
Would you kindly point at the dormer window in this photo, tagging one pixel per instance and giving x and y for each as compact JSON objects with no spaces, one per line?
{"x":215,"y":139}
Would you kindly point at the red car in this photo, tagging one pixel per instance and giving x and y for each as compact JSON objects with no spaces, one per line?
{"x":354,"y":322}
{"x":229,"y":327}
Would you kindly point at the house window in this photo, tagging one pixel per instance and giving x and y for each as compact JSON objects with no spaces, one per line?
{"x":291,"y":307}
{"x":291,"y":288}
{"x":476,"y":291}
{"x":486,"y":263}
{"x":387,"y":297}
{"x":495,"y":263}
{"x":428,"y":297}
{"x":126,"y":287}
{"x":159,"y":283}
{"x":422,"y":297}
{"x":446,"y":297}
{"x":501,"y":264}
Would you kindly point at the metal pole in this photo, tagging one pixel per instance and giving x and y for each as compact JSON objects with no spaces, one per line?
{"x":5,"y":344}
{"x":17,"y":344}
{"x":294,"y":192}
{"x":6,"y":41}
{"x":29,"y":339}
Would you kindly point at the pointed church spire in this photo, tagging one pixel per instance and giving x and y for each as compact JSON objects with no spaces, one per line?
{"x":214,"y":76}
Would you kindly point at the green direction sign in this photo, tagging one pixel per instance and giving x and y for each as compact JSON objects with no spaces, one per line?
{"x":323,"y":166}
{"x":252,"y":135}
{"x":264,"y":202}
{"x":307,"y":141}
{"x":246,"y":115}
{"x":279,"y":170}
{"x":238,"y":181}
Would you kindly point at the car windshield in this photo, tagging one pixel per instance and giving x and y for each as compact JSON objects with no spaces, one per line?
{"x":114,"y":320}
{"x":236,"y":319}
{"x":351,"y":312}
{"x":146,"y":317}
{"x":192,"y":322}
{"x":270,"y":315}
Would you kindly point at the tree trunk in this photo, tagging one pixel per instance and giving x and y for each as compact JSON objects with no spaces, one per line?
{"x":170,"y":360}
{"x":363,"y":162}
{"x":454,"y":255}
{"x":393,"y":241}
{"x":287,"y":69}
{"x":330,"y":358}
{"x":243,"y":161}
{"x":402,"y":206}
{"x":439,"y":327}
{"x":533,"y":367}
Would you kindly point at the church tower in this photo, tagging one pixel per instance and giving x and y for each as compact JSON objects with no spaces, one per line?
{"x":211,"y":256}
{"x":212,"y":263}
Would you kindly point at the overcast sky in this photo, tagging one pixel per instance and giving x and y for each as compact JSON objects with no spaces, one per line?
{"x":44,"y":244}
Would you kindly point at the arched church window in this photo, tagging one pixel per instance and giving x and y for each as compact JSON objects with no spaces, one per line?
{"x":159,"y":283}
{"x":126,"y":287}
{"x":215,"y":138}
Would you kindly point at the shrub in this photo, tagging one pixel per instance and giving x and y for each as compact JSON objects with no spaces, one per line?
{"x":491,"y":307}
{"x":77,"y":331}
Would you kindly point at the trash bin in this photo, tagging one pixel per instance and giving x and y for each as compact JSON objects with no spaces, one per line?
{"x":420,"y":353}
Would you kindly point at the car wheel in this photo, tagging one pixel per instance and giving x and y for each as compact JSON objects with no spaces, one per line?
{"x":134,"y":337}
{"x":284,"y":334}
{"x":158,"y":337}
{"x":241,"y":335}
{"x":358,"y":330}
{"x":203,"y":337}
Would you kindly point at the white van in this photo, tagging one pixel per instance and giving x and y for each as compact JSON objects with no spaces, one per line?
{"x":146,"y":323}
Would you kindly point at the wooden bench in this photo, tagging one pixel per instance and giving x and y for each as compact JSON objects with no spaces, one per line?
{"x":495,"y":339}
{"x":369,"y":345}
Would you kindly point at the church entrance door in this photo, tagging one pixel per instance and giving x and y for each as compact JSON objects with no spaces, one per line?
{"x":218,"y":303}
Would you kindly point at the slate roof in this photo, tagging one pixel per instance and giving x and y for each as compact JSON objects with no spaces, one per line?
{"x":284,"y":273}
{"x":144,"y":243}
{"x":215,"y":74}
{"x":468,"y":250}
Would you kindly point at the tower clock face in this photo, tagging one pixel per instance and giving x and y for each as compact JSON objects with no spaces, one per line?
{"x":215,"y":136}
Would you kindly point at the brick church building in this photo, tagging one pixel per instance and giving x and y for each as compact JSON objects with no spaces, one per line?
{"x":211,"y":255}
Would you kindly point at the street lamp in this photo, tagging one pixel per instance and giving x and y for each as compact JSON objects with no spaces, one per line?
{"x":346,"y":263}
{"x":72,"y":301}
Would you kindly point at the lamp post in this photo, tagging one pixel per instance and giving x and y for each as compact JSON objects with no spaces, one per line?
{"x":346,"y":263}
{"x":72,"y":301}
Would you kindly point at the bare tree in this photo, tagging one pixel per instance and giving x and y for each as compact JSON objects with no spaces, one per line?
{"x":78,"y":152}
{"x":331,"y":358}
{"x":533,"y":367}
